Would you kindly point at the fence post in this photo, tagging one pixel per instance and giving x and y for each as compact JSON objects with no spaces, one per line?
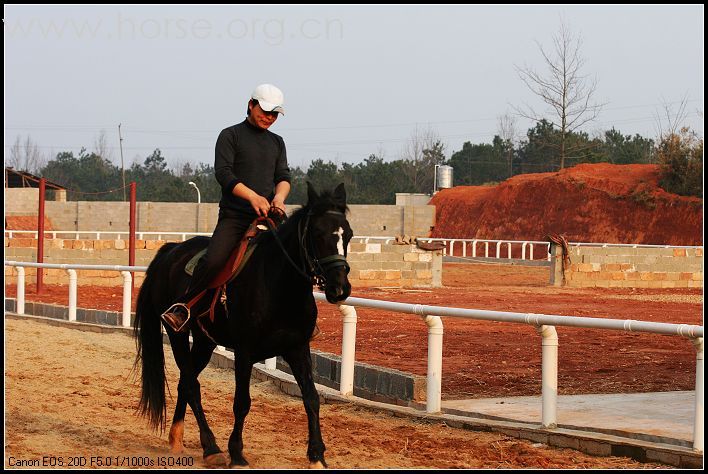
{"x":346,"y":375}
{"x":127,"y":297}
{"x":549,"y":375}
{"x":40,"y":234}
{"x":433,"y":394}
{"x":555,"y":256}
{"x":72,"y":293}
{"x":698,"y":416}
{"x":20,"y":290}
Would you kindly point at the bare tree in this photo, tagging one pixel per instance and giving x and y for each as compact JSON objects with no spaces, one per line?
{"x":564,"y":88}
{"x":506,"y":127}
{"x":26,"y":157}
{"x":423,"y":150}
{"x":101,"y":147}
{"x":669,"y":122}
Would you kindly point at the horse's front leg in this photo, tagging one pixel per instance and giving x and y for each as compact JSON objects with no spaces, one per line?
{"x":301,"y":366}
{"x":242,"y":404}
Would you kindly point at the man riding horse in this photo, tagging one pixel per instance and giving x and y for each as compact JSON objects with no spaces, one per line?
{"x":252,"y":168}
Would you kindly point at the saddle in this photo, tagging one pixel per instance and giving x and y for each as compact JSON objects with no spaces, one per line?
{"x":233,"y":267}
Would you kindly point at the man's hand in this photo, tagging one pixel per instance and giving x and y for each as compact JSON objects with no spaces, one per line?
{"x":259,"y":204}
{"x":278,"y":202}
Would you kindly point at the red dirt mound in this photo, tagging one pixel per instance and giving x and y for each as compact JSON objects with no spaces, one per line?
{"x":586,"y":203}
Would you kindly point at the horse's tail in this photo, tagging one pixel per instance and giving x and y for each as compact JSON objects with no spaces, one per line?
{"x":148,"y":338}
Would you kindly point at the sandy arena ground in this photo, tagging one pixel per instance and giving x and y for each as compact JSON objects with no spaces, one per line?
{"x":70,"y":395}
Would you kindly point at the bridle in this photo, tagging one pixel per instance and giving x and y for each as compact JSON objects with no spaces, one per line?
{"x":312,"y":268}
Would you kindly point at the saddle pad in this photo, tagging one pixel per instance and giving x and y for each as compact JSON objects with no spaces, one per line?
{"x":192,"y":264}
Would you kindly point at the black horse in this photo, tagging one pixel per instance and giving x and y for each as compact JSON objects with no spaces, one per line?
{"x":269,"y":311}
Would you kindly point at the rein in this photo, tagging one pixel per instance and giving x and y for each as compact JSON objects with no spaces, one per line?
{"x":313,"y":269}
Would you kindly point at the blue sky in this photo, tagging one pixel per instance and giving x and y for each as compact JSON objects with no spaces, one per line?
{"x":357,"y":79}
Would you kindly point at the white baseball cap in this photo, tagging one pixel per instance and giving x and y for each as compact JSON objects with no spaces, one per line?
{"x":269,"y":97}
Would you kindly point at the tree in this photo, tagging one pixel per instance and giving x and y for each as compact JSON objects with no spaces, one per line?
{"x":680,"y":154}
{"x":26,"y":157}
{"x":681,"y":158}
{"x":479,"y":163}
{"x":422,"y":152}
{"x":101,"y":147}
{"x":506,"y":127}
{"x":564,"y":88}
{"x":625,"y":149}
{"x":88,"y":177}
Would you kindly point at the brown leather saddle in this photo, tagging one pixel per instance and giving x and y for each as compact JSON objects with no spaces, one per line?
{"x":233,"y":267}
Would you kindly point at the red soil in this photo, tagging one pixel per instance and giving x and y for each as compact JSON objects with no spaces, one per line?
{"x":586,"y":203}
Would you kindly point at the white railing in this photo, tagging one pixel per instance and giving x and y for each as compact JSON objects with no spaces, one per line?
{"x":459,"y":247}
{"x":543,"y":324}
{"x":73,"y":283}
{"x":96,"y":234}
{"x":478,"y":248}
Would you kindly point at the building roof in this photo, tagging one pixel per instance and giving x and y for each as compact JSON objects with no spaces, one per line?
{"x":23,"y":179}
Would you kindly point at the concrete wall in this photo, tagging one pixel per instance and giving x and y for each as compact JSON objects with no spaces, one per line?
{"x":380,"y":220}
{"x":21,"y":201}
{"x":412,"y":199}
{"x":371,"y":264}
{"x":627,"y":267}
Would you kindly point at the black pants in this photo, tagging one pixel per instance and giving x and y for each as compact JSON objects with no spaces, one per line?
{"x":228,"y":233}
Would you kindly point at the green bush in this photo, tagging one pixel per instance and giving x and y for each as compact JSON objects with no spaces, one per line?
{"x":681,"y":158}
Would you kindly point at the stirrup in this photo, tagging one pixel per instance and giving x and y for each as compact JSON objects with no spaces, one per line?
{"x":315,"y":332}
{"x":173,"y":317}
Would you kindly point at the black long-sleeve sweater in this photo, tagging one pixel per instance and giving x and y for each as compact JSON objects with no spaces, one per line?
{"x":252,"y":156}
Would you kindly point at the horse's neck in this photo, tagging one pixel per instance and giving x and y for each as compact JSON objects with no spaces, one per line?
{"x":291,"y":244}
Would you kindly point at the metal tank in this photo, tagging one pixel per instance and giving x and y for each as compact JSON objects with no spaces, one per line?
{"x":443,"y":177}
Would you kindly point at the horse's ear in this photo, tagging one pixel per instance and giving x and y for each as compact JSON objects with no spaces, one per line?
{"x":312,"y":195}
{"x":340,"y":195}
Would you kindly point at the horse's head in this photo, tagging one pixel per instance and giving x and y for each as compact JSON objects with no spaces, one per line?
{"x":329,"y":235}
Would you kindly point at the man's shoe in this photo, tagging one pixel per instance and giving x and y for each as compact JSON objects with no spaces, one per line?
{"x":177,"y":317}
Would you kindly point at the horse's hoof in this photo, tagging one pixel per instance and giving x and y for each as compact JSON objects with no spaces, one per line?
{"x":215,"y":460}
{"x":177,"y":449}
{"x":236,"y":463}
{"x":317,"y":465}
{"x":176,"y":437}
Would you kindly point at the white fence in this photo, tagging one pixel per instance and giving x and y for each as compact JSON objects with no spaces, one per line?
{"x":500,"y":249}
{"x":465,"y":248}
{"x":96,"y":234}
{"x":543,"y":324}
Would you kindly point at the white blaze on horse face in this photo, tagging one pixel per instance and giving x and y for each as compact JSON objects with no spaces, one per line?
{"x":340,"y":240}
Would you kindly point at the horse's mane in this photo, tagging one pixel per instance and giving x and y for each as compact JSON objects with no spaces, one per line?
{"x":325,"y":202}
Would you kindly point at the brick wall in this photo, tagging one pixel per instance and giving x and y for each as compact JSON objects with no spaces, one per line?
{"x":371,"y":264}
{"x":379,"y":220}
{"x":394,"y":265}
{"x":627,"y":267}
